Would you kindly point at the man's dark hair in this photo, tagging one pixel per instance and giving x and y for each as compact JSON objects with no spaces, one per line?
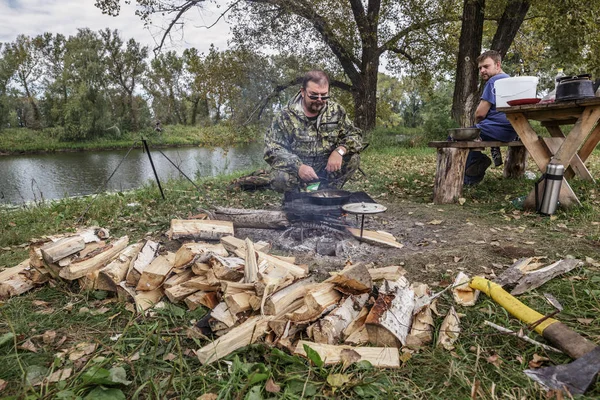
{"x":316,"y":76}
{"x":493,"y":54}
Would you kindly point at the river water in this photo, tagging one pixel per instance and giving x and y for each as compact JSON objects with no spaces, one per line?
{"x":31,"y":177}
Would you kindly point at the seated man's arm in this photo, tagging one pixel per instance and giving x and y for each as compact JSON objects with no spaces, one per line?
{"x":350,"y":136}
{"x":482,"y":110}
{"x":278,"y":153}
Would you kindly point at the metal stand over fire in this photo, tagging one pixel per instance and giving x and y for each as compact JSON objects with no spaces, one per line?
{"x":362,"y":209}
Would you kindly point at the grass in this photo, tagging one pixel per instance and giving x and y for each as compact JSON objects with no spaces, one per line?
{"x":155,"y":353}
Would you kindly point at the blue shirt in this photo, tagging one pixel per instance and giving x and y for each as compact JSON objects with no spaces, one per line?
{"x":495,"y":126}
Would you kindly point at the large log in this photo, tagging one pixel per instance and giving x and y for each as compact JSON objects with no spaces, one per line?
{"x":110,"y":276}
{"x":80,"y":268}
{"x":144,"y":258}
{"x":247,"y":333}
{"x":390,"y":319}
{"x":54,"y":251}
{"x":449,"y":176}
{"x":380,"y":357}
{"x":200,"y":229}
{"x":260,"y":219}
{"x":329,"y":329}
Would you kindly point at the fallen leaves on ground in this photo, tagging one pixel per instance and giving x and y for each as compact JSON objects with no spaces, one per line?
{"x":537,"y":361}
{"x":494,"y":359}
{"x":272,"y":387}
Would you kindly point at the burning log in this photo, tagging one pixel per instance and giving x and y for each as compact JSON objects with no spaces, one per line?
{"x":260,"y":219}
{"x":200,"y":230}
{"x":378,"y":356}
{"x":80,"y":268}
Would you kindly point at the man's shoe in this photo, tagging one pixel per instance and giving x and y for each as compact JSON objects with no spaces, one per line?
{"x":496,"y":156}
{"x":479,"y":167}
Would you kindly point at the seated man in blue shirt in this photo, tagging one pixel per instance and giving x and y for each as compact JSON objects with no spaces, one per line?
{"x":493,"y":124}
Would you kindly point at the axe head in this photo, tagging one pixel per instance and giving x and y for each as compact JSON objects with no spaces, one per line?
{"x":576,"y":377}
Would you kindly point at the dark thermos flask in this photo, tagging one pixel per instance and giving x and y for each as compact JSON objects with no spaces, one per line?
{"x":553,"y":179}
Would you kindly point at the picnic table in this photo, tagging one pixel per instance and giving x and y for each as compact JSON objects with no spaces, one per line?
{"x":570,"y":148}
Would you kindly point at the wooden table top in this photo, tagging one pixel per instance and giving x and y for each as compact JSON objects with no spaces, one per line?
{"x":563,"y":112}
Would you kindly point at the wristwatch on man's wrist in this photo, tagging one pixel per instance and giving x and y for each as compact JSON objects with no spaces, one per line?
{"x":341,"y":151}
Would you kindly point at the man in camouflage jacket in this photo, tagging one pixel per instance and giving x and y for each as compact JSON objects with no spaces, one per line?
{"x":312,"y":139}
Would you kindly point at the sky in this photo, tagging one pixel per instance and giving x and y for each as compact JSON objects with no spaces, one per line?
{"x":33,"y":17}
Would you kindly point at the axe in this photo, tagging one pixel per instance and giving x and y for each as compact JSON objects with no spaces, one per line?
{"x":577,"y":376}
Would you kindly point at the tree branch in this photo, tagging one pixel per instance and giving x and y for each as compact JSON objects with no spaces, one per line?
{"x":182,"y":10}
{"x":387,"y":46}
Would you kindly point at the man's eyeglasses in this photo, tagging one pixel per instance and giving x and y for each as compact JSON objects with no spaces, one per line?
{"x":317,"y":96}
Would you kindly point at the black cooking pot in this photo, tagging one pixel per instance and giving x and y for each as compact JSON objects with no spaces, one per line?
{"x":329,"y":197}
{"x":574,"y":88}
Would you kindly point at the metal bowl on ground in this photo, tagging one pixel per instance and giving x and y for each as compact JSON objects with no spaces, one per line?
{"x":464,"y":133}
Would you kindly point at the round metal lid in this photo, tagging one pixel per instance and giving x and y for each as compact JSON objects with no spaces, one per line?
{"x":364,"y":208}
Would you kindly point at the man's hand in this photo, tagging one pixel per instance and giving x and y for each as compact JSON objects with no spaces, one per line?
{"x":307,"y":173}
{"x":334,"y":163}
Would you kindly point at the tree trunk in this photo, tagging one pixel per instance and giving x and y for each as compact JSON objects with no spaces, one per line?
{"x":466,"y":96}
{"x":365,"y":96}
{"x":509,"y":24}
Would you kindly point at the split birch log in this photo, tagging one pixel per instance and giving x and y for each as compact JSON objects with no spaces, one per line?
{"x":230,"y":288}
{"x":80,"y":268}
{"x":54,"y":251}
{"x":329,"y":329}
{"x":155,"y":274}
{"x":146,"y":300}
{"x":389,"y":321}
{"x":15,"y":285}
{"x":359,"y":337}
{"x":391,"y":273}
{"x":144,"y":258}
{"x":238,"y":302}
{"x":247,"y":333}
{"x":380,"y":357}
{"x":207,"y":299}
{"x":178,"y":279}
{"x":110,"y":276}
{"x":193,"y":252}
{"x":279,"y":300}
{"x":374,"y":237}
{"x":537,"y":278}
{"x":238,"y":246}
{"x":260,"y":219}
{"x":464,"y":294}
{"x":295,"y":270}
{"x":200,"y":229}
{"x":357,"y":323}
{"x":323,"y":297}
{"x":221,"y":313}
{"x":227,"y":268}
{"x":206,"y":283}
{"x":177,"y":293}
{"x":12,"y":271}
{"x":449,"y":330}
{"x":354,"y":279}
{"x":421,"y":332}
{"x":250,"y":265}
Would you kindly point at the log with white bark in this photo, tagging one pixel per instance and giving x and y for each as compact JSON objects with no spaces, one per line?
{"x":144,"y":258}
{"x":200,"y":229}
{"x":329,"y":329}
{"x":259,"y":219}
{"x":354,"y":279}
{"x":193,"y":252}
{"x":389,"y":320}
{"x":155,"y":273}
{"x":449,"y":331}
{"x":357,"y":323}
{"x":54,"y":251}
{"x":80,"y":268}
{"x":112,"y":274}
{"x":537,"y":278}
{"x":380,"y":357}
{"x":247,"y":333}
{"x":421,"y":332}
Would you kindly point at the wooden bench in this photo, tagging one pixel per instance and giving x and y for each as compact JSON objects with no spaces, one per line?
{"x":451,"y":159}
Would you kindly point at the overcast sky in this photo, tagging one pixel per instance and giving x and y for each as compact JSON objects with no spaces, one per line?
{"x":33,"y":17}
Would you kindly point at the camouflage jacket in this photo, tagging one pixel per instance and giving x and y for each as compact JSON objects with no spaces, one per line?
{"x":294,"y":140}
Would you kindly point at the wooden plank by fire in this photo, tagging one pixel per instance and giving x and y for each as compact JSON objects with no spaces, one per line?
{"x":389,"y":321}
{"x":391,"y":273}
{"x":380,"y":357}
{"x":144,"y":258}
{"x":80,"y":268}
{"x":200,"y":229}
{"x":279,"y":300}
{"x":238,"y":246}
{"x":54,"y":251}
{"x":206,"y":299}
{"x":259,"y":219}
{"x":421,"y":332}
{"x":329,"y":329}
{"x":374,"y":237}
{"x":250,"y":264}
{"x":155,"y":274}
{"x":110,"y":276}
{"x":317,"y":300}
{"x":247,"y":333}
{"x":189,"y":252}
{"x":354,"y":279}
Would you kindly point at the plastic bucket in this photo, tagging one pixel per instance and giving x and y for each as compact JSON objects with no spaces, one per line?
{"x":520,"y":87}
